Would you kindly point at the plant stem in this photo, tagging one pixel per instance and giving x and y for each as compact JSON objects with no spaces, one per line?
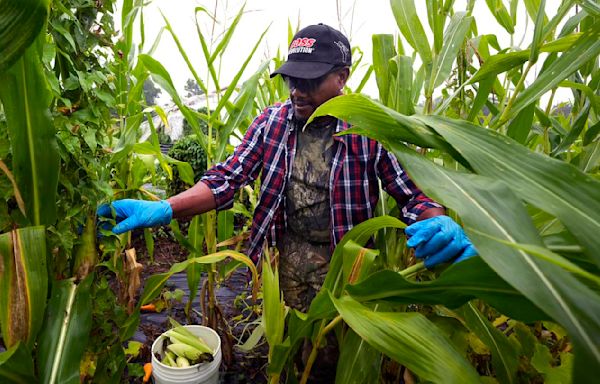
{"x":324,"y":330}
{"x":413,"y":269}
{"x":504,"y":115}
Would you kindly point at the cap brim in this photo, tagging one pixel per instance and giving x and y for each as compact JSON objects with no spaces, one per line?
{"x":303,"y":69}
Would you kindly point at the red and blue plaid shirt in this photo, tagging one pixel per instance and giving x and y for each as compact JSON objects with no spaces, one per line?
{"x":268,"y":149}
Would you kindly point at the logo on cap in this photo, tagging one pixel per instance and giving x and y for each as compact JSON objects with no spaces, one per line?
{"x":343,"y":49}
{"x":302,"y":45}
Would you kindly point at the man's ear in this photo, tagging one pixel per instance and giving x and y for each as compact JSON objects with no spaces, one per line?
{"x":342,"y":76}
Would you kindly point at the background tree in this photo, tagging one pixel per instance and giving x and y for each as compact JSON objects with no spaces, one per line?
{"x":151,"y":92}
{"x":192,"y":88}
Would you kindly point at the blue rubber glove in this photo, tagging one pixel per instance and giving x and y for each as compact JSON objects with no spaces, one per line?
{"x":438,"y":240}
{"x":132,"y":214}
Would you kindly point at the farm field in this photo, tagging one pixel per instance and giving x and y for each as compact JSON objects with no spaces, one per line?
{"x":504,"y":133}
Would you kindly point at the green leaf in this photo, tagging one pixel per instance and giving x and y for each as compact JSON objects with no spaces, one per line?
{"x":155,"y":283}
{"x":491,"y":208}
{"x":457,"y":285}
{"x":361,"y":111}
{"x":591,"y":134}
{"x":224,"y":225}
{"x":242,"y":107}
{"x":403,"y":84}
{"x":454,"y":36}
{"x":360,"y":234}
{"x":410,"y":25}
{"x":16,"y":365}
{"x":21,"y":21}
{"x":383,"y":51}
{"x":23,"y":284}
{"x":67,"y":326}
{"x":274,"y":310}
{"x":162,"y":77}
{"x":485,"y":87}
{"x":194,"y":271}
{"x":550,"y":184}
{"x":505,"y":359}
{"x":501,"y":14}
{"x":503,"y":62}
{"x":359,"y":362}
{"x":25,"y":97}
{"x":233,"y":84}
{"x":537,"y":32}
{"x":520,"y":126}
{"x":227,"y":37}
{"x":586,"y":48}
{"x":410,"y":339}
{"x":575,"y":132}
{"x":184,"y":55}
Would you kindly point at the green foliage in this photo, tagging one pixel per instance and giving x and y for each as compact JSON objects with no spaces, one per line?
{"x":189,"y":150}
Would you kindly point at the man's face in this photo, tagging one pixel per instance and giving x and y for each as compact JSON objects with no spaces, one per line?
{"x":307,"y":95}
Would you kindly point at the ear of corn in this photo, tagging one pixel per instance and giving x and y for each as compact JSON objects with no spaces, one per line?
{"x":182,"y":362}
{"x":189,"y":339}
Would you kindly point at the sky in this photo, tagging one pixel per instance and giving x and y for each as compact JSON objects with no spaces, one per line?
{"x":358,"y":19}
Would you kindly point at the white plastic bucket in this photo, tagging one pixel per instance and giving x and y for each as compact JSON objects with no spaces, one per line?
{"x":203,"y":373}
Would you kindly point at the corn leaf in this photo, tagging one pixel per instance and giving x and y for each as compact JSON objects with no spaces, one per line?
{"x":383,"y":51}
{"x":403,"y":84}
{"x":16,"y":365}
{"x":23,"y":284}
{"x":410,"y":339}
{"x":359,"y":362}
{"x":436,"y":19}
{"x":227,"y":37}
{"x":454,"y":36}
{"x":156,"y":282}
{"x":21,"y":21}
{"x":274,"y":312}
{"x":184,"y":55}
{"x":162,"y":77}
{"x":503,"y":62}
{"x":455,"y":286}
{"x":505,"y":359}
{"x":239,"y":111}
{"x":25,"y":97}
{"x":501,"y":14}
{"x":233,"y":84}
{"x":585,"y":49}
{"x":66,"y":330}
{"x":550,"y":184}
{"x":537,"y":32}
{"x":364,"y":112}
{"x":490,"y":207}
{"x":520,"y":126}
{"x":194,"y":270}
{"x":410,"y":25}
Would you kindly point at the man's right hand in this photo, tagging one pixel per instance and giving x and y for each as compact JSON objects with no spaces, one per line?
{"x":133,"y":214}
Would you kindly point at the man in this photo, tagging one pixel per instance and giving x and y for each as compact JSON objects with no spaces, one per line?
{"x":314,"y":187}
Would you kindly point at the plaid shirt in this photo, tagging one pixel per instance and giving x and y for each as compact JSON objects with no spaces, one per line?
{"x":268,"y":150}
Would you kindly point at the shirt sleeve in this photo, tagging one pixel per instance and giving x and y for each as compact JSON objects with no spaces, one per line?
{"x":396,"y":182}
{"x":242,"y":167}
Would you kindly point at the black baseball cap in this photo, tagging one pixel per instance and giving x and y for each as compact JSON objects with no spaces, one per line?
{"x":314,"y":51}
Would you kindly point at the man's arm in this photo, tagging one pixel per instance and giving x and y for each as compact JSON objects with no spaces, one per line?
{"x":215,"y":190}
{"x":194,"y":201}
{"x":431,"y":212}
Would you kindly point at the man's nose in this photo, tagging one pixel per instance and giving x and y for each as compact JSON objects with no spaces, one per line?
{"x":296,"y":92}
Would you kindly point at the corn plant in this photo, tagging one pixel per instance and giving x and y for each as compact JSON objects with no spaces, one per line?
{"x":514,"y":177}
{"x":228,"y":117}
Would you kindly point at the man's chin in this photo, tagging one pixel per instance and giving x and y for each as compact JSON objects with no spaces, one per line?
{"x":303,"y":112}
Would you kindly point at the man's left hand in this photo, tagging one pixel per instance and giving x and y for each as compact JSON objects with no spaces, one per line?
{"x":438,"y":240}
